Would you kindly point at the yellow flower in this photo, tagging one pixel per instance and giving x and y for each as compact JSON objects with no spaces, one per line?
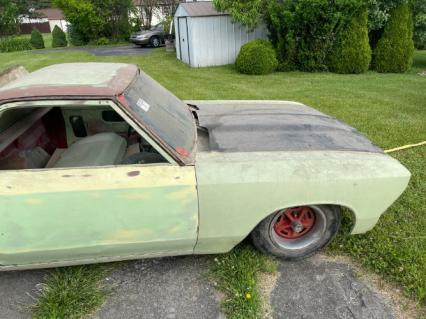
{"x":248,"y":296}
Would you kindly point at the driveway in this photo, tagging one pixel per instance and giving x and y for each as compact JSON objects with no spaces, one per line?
{"x":121,"y":50}
{"x":178,"y":287}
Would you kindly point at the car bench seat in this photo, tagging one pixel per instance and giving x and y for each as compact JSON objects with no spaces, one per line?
{"x":97,"y":150}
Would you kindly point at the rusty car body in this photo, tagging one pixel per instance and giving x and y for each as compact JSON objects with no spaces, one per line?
{"x":100,"y":163}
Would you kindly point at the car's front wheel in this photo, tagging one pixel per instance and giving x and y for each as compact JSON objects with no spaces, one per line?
{"x":297,"y":232}
{"x":155,"y":42}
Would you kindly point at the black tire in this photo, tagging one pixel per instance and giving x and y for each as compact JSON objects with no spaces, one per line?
{"x":266,"y":239}
{"x":155,"y":42}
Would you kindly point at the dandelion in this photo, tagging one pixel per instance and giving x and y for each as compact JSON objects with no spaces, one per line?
{"x":248,"y":296}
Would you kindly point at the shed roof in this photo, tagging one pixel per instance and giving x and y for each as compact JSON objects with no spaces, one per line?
{"x":51,"y":14}
{"x":201,"y":9}
{"x":72,"y":80}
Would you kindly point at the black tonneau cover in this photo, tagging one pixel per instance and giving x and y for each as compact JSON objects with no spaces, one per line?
{"x":243,"y":126}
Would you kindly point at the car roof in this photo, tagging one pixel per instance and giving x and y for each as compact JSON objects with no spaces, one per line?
{"x":72,"y":80}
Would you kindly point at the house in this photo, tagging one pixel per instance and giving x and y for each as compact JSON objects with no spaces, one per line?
{"x":154,"y":12}
{"x":45,"y":21}
{"x":55,"y":18}
{"x":206,"y":37}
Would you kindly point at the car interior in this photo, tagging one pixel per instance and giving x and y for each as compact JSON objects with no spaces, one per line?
{"x":60,"y":137}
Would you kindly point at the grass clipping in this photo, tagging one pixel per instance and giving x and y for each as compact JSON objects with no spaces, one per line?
{"x":235,"y":274}
{"x":72,"y":292}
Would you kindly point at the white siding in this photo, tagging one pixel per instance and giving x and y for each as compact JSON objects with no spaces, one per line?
{"x":214,"y":40}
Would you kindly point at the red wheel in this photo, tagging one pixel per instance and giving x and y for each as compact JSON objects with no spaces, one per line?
{"x":297,"y":232}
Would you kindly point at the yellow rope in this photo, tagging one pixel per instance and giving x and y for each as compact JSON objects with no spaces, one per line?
{"x":405,"y":147}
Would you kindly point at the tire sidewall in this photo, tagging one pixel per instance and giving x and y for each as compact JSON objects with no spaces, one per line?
{"x":262,"y":239}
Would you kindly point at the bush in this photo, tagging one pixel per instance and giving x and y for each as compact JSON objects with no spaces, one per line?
{"x":15,"y":44}
{"x":395,"y":49}
{"x":352,"y":52}
{"x":102,"y":41}
{"x":257,"y":57}
{"x":37,"y":39}
{"x":75,"y":37}
{"x":59,"y":38}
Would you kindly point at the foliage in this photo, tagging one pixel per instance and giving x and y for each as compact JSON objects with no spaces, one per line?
{"x":72,"y":292}
{"x":394,"y":52}
{"x":37,"y":39}
{"x":59,"y":38}
{"x":75,"y":37}
{"x":248,"y":13}
{"x":93,"y":19}
{"x":15,"y":44}
{"x":304,"y":31}
{"x":236,"y":275}
{"x":351,"y":52}
{"x":8,"y":17}
{"x":256,"y":57}
{"x":419,"y":10}
{"x":102,"y":41}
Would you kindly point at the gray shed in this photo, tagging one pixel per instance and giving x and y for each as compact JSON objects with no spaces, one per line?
{"x":206,"y":37}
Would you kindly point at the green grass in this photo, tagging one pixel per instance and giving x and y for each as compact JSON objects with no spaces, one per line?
{"x":236,"y":276}
{"x":389,"y":108}
{"x":47,"y":37}
{"x":71,"y":293}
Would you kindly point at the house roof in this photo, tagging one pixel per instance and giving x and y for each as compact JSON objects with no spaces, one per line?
{"x":52,"y":14}
{"x":201,"y":9}
{"x":72,"y":80}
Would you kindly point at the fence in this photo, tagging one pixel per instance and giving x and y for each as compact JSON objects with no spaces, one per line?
{"x":27,"y":28}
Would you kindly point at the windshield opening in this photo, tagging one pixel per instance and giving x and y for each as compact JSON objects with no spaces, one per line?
{"x":163,"y":114}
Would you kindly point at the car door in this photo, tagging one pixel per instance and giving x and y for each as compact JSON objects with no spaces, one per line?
{"x":63,"y":216}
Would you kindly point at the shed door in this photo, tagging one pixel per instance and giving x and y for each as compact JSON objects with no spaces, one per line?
{"x":184,"y":41}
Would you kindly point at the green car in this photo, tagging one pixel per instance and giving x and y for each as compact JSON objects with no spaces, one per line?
{"x":99,"y":163}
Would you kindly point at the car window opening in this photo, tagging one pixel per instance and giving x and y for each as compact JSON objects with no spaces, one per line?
{"x":63,"y":137}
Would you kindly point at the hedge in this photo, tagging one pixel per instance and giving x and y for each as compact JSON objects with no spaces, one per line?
{"x":15,"y":44}
{"x":395,"y":49}
{"x":351,"y":52}
{"x":59,"y":38}
{"x":37,"y":39}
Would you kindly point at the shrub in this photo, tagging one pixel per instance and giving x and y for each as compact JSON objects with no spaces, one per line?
{"x":75,"y":37}
{"x":102,"y":41}
{"x":59,"y":38}
{"x":351,"y":52}
{"x":395,"y":49}
{"x":37,"y":39}
{"x":15,"y":44}
{"x":256,"y":57}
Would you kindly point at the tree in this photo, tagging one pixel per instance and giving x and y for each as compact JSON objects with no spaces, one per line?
{"x":395,"y":50}
{"x":59,"y":39}
{"x":9,"y":20}
{"x":37,"y":39}
{"x":351,"y":52}
{"x":94,"y":19}
{"x":247,"y":12}
{"x":419,"y":11}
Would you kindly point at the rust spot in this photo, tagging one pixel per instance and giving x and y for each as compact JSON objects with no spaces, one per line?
{"x":86,"y":175}
{"x":66,"y":176}
{"x":133,"y":173}
{"x":9,"y":187}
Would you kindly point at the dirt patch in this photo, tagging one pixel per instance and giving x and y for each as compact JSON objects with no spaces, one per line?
{"x":266,"y":283}
{"x":423,"y":73}
{"x":403,"y":307}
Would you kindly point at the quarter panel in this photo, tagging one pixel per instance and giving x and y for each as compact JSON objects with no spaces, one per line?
{"x":238,"y":190}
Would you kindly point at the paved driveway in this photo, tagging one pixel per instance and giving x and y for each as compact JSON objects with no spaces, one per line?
{"x":178,"y":288}
{"x":121,"y":50}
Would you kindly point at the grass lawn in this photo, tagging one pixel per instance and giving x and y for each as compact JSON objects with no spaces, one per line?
{"x":389,"y":108}
{"x":47,"y":37}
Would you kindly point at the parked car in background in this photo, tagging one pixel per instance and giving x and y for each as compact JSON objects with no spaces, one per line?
{"x":153,"y":37}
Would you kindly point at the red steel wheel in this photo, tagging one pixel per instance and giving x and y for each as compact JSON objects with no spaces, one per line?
{"x":294,"y":222}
